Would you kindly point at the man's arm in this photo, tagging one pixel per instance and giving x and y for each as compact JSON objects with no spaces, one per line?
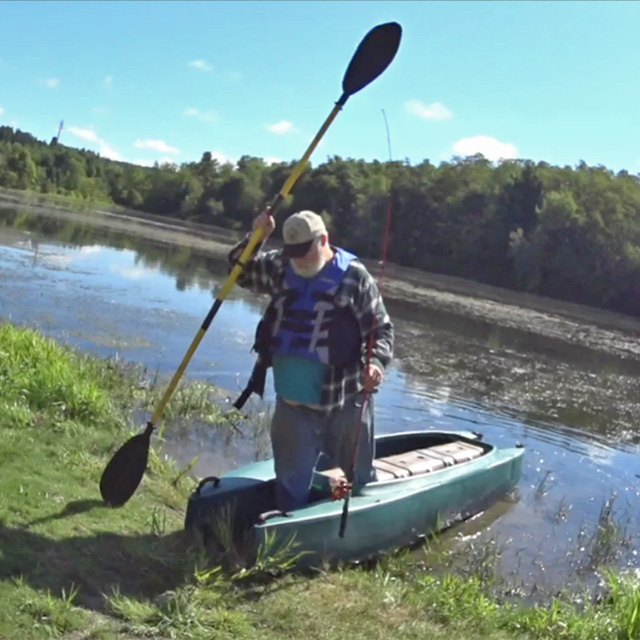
{"x":371,"y":313}
{"x":262,"y":270}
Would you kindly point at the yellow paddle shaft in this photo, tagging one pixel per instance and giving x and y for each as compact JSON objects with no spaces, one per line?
{"x":245,"y":256}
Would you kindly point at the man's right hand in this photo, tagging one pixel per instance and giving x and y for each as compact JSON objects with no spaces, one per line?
{"x":266,"y":221}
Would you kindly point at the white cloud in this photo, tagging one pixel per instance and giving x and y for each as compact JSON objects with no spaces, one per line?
{"x":88,"y":249}
{"x":272,"y":160}
{"x":208,"y":116}
{"x":202,"y":65}
{"x":104,"y":149}
{"x":108,"y":152}
{"x":50,"y":83}
{"x":234,"y":76}
{"x":150,"y":162}
{"x":108,"y":82}
{"x":222,"y":158}
{"x":143,"y":163}
{"x":490,"y":148}
{"x":1,"y":111}
{"x":282,"y":127}
{"x":132,"y":273}
{"x":155,"y":145}
{"x":204,"y":116}
{"x":433,"y":111}
{"x":84,"y":134}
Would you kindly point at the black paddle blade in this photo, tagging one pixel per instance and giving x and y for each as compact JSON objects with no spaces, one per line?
{"x":123,"y":474}
{"x":373,"y":55}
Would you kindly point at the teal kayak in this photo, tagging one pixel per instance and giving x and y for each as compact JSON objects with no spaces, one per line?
{"x":426,"y":481}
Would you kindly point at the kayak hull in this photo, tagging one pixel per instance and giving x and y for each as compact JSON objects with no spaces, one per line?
{"x":393,"y":512}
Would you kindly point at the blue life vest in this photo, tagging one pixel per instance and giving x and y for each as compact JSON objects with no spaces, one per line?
{"x":308,"y":324}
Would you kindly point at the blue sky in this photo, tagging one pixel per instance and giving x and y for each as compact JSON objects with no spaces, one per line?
{"x":145,"y":81}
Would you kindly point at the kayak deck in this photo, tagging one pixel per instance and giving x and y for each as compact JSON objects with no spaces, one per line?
{"x":417,"y":462}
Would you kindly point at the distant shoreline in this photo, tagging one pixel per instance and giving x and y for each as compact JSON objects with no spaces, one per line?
{"x":559,"y":321}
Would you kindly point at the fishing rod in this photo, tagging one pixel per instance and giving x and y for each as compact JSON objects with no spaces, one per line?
{"x":123,"y":474}
{"x":347,"y":488}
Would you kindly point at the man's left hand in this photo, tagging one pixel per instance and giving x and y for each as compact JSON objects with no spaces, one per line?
{"x":372,"y":377}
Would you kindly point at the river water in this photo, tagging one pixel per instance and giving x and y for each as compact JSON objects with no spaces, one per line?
{"x":116,"y":293}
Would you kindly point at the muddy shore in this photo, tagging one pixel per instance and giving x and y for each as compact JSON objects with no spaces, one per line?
{"x":561,"y":322}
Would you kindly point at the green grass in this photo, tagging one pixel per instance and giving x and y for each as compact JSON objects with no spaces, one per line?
{"x":72,"y":568}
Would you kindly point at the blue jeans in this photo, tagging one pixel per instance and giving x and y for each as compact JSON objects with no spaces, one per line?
{"x":299,"y":435}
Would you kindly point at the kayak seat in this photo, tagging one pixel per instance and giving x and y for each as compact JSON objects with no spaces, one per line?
{"x":415,"y":463}
{"x":454,"y":452}
{"x":411,"y":463}
{"x":418,"y":462}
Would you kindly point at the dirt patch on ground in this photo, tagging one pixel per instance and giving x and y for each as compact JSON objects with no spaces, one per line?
{"x":588,"y":327}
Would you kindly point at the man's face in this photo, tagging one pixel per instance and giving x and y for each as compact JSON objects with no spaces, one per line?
{"x":311,"y":262}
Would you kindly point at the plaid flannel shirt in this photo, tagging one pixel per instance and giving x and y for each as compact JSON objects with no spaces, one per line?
{"x":358,"y":291}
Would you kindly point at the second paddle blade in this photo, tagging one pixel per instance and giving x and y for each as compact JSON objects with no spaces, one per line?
{"x":123,"y":474}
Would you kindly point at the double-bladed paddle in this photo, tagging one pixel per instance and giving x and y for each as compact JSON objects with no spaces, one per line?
{"x":124,"y":472}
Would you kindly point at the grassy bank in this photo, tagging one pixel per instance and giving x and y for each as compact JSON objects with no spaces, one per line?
{"x":71,"y":568}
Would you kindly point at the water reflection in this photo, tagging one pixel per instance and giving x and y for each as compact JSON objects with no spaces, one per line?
{"x":575,"y":411}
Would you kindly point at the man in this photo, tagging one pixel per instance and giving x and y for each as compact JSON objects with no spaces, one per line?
{"x":315,"y":333}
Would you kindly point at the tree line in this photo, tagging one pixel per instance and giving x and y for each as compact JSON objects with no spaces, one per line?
{"x":571,"y":233}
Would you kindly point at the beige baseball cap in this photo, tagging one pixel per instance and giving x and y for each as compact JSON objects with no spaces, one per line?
{"x":299,"y":231}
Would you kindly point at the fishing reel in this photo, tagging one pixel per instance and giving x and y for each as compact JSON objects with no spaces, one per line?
{"x":340,"y":488}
